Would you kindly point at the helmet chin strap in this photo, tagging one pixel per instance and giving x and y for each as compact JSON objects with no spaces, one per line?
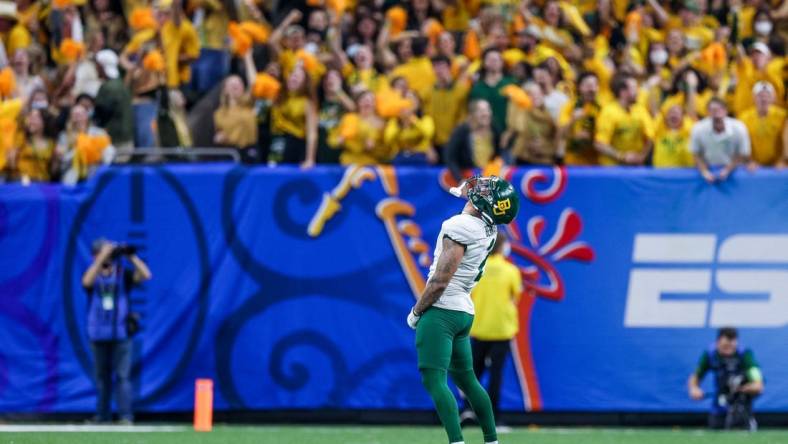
{"x":485,"y":217}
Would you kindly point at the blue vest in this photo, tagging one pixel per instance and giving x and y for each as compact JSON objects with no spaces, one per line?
{"x":729,"y":373}
{"x":108,"y":306}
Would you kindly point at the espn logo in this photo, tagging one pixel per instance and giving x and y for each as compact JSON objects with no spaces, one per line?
{"x":753,"y":267}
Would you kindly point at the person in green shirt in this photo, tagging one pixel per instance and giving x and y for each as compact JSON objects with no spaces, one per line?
{"x":489,"y":85}
{"x":113,"y":102}
{"x":737,"y":381}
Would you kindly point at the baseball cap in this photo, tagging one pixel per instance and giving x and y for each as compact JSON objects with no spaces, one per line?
{"x":109,"y":62}
{"x":761,"y":47}
{"x":763,"y":86}
{"x":8,"y":10}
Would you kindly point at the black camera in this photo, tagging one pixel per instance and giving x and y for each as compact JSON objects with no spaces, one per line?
{"x":123,"y":250}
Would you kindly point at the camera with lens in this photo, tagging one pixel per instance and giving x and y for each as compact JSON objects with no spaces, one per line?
{"x":123,"y":250}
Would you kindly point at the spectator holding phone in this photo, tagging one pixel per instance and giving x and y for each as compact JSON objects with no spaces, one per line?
{"x":107,"y":283}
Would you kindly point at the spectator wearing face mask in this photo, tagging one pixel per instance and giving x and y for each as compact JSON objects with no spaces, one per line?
{"x":658,"y":75}
{"x":766,"y":124}
{"x":762,"y":26}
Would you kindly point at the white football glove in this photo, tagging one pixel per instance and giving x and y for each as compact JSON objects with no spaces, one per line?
{"x":413,"y":319}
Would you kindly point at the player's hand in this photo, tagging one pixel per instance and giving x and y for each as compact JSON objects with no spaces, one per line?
{"x":696,"y":393}
{"x":708,"y":176}
{"x":413,"y":320}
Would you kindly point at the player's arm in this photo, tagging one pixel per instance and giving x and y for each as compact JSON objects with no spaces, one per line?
{"x":447,"y":265}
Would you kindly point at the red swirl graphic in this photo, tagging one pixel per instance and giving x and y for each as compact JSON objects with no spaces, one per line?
{"x":555,"y":188}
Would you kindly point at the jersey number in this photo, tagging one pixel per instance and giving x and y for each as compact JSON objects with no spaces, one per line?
{"x":481,"y":266}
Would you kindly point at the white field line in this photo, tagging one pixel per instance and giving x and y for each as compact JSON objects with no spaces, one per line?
{"x":57,"y":428}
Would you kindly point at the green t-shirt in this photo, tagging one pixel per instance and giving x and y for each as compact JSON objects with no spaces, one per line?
{"x":749,"y":365}
{"x":492,"y":94}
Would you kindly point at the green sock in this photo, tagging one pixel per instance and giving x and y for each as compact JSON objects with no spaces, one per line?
{"x":479,"y":400}
{"x":435,"y":382}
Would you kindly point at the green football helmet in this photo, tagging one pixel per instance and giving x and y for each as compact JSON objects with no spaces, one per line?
{"x":495,"y":198}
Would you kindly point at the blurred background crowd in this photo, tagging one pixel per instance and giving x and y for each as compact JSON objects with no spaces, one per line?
{"x":462,"y":83}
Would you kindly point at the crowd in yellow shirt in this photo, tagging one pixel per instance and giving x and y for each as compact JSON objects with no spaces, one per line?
{"x":576,"y":82}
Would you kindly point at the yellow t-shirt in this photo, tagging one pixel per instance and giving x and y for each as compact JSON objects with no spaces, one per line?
{"x":701,"y":102}
{"x":354,"y":148}
{"x":370,"y":79}
{"x":177,"y":41}
{"x":214,"y":26}
{"x":483,"y":150}
{"x":419,"y":74}
{"x":625,"y":131}
{"x":415,"y":138}
{"x":456,"y":17}
{"x":34,"y":161}
{"x":580,"y":136}
{"x":289,"y":116}
{"x":447,"y":107}
{"x":238,"y":123}
{"x":17,"y":38}
{"x":9,"y":115}
{"x":495,"y":299}
{"x":747,"y":77}
{"x":671,"y":146}
{"x":697,"y":37}
{"x":765,"y":134}
{"x":513,"y":56}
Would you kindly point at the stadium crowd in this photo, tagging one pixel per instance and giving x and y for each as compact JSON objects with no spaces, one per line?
{"x":464,"y":83}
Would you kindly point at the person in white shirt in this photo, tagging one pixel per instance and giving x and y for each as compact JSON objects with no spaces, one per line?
{"x":719,"y":141}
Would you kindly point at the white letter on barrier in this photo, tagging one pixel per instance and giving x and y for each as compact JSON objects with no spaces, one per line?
{"x":645,"y":307}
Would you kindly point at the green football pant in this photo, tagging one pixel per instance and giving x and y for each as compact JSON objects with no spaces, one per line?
{"x":443,"y":345}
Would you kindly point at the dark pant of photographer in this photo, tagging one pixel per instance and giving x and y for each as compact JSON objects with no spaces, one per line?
{"x":733,"y":412}
{"x":493,"y":353}
{"x":112,"y":360}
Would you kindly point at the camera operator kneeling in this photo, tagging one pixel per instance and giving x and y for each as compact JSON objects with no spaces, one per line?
{"x":737,"y":380}
{"x":107,"y":283}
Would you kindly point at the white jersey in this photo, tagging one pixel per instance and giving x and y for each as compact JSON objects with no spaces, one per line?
{"x":478,"y":239}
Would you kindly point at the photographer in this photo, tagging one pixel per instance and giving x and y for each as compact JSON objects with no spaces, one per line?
{"x":107,"y":283}
{"x":737,"y":379}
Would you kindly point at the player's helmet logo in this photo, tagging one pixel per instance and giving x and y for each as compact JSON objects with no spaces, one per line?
{"x":495,"y":198}
{"x":501,"y":206}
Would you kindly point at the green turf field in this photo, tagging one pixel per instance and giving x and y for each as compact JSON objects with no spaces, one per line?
{"x":395,"y":435}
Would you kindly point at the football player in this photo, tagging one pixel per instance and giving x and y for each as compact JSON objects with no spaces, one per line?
{"x":443,"y":315}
